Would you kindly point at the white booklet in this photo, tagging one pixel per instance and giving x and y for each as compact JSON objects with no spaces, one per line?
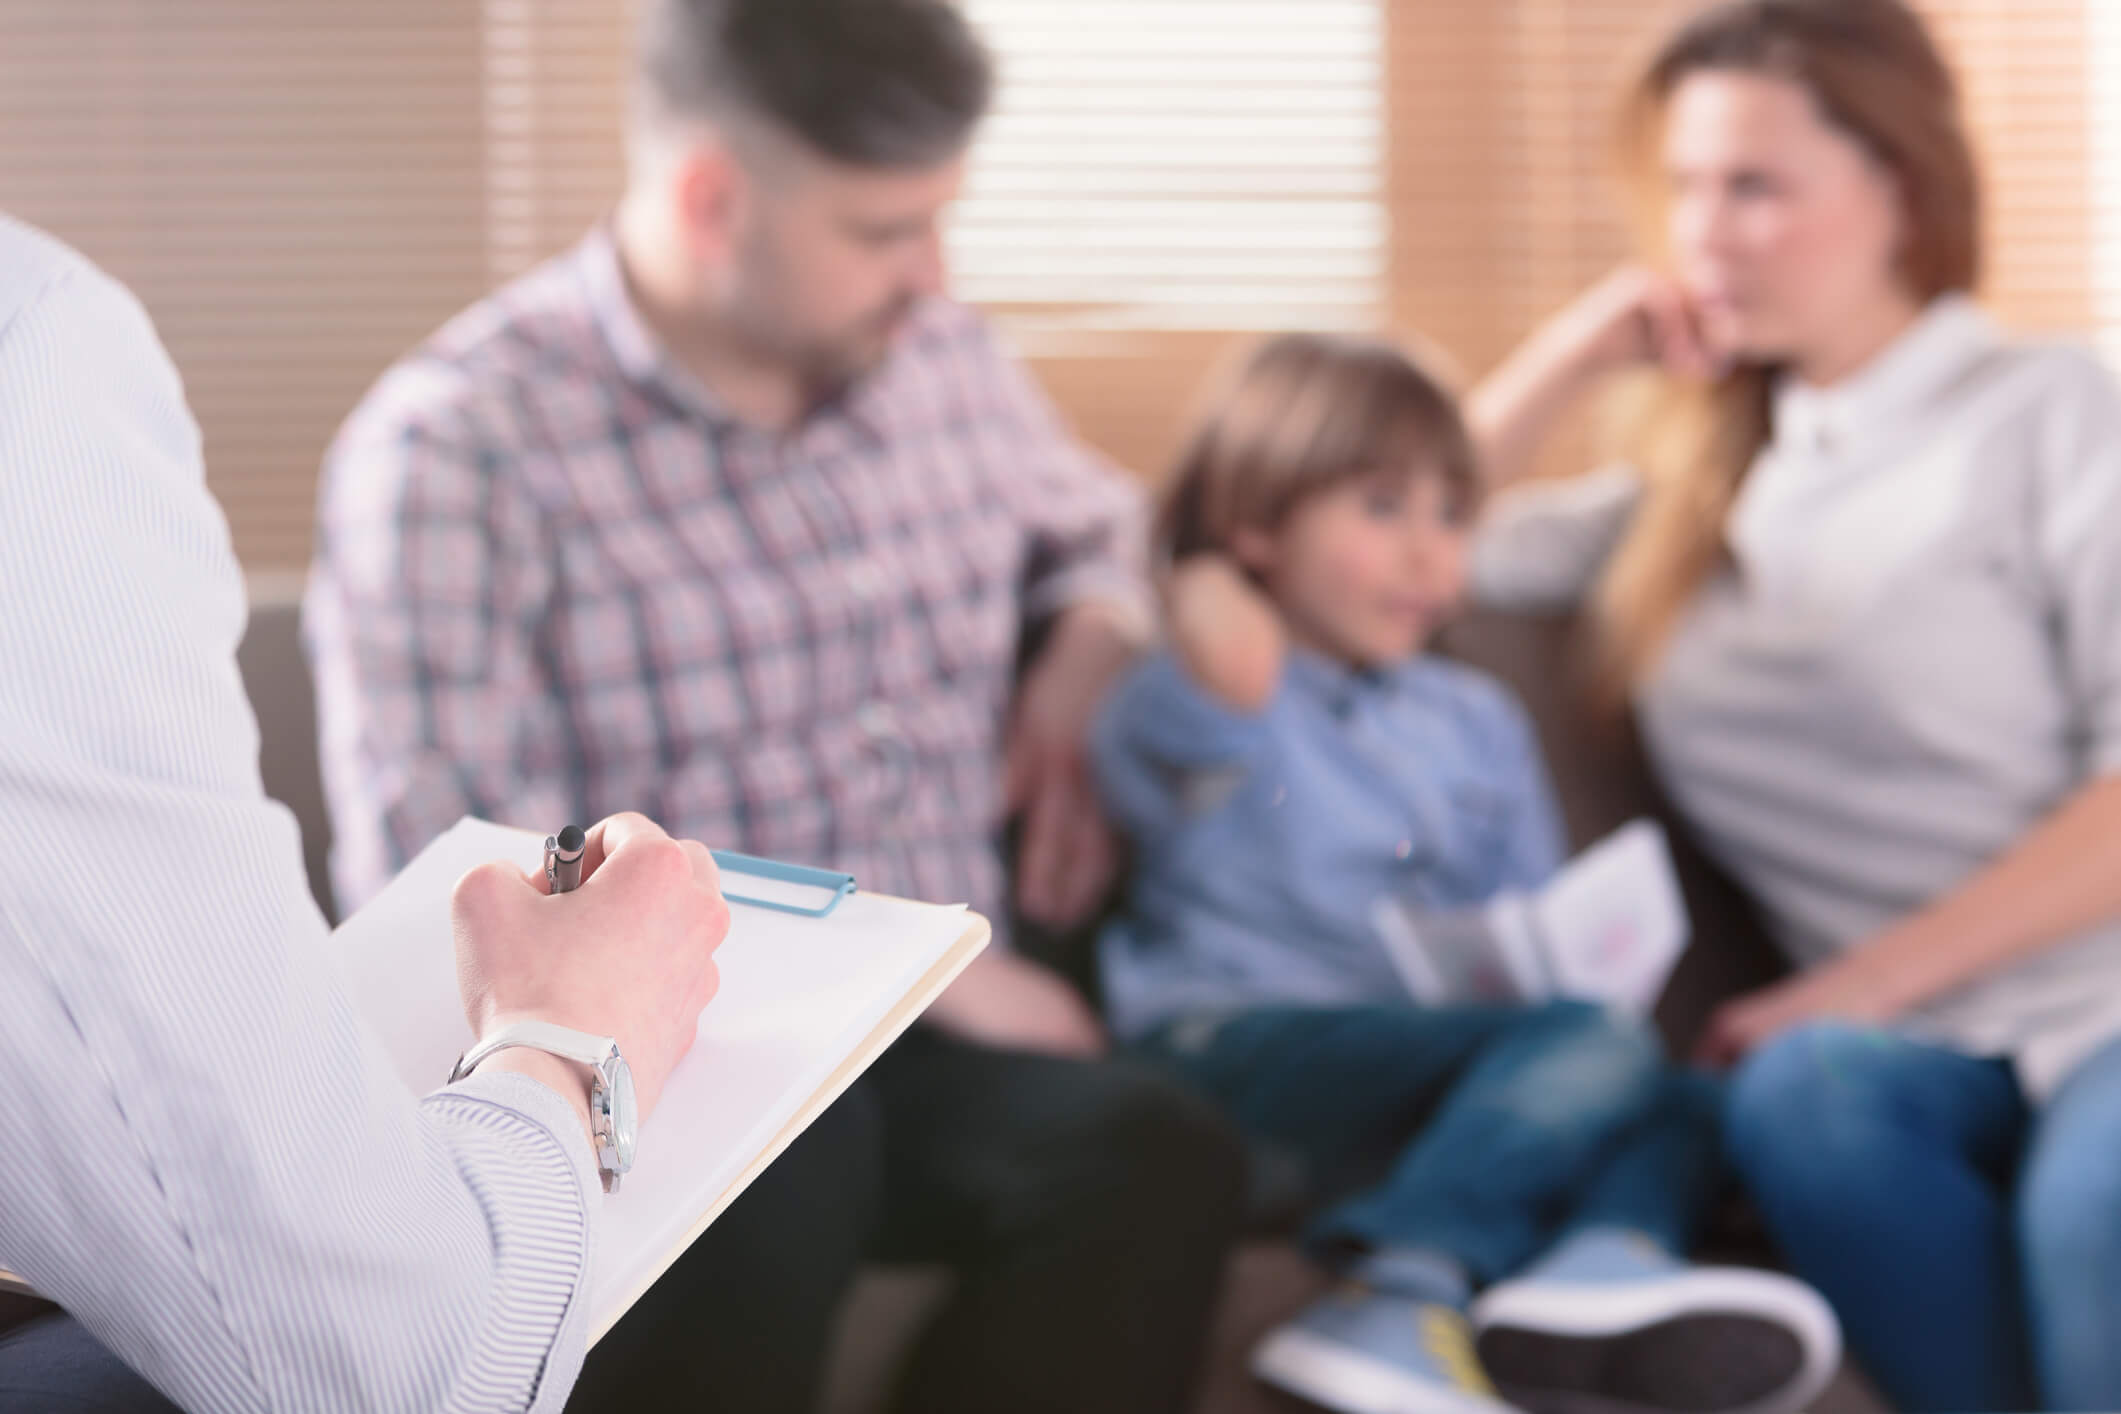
{"x":1609,"y":928}
{"x":805,"y":1005}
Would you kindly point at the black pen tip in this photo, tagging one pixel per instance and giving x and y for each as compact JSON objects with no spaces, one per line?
{"x":572,"y":839}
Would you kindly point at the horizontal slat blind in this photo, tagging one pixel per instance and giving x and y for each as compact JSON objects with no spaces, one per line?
{"x":293,"y":187}
{"x":555,"y":91}
{"x":2031,"y":94}
{"x":1179,"y":164}
{"x":2103,"y":51}
{"x":301,"y":189}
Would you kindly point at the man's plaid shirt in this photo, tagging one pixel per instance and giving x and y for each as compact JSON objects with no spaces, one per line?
{"x":554,"y":580}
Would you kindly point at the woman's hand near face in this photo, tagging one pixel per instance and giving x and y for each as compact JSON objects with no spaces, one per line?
{"x":1633,"y":318}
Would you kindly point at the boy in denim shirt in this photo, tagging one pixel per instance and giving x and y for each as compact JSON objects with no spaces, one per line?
{"x":1293,"y":762}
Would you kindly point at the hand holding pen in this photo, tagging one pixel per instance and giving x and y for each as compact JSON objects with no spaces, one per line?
{"x":631,"y":957}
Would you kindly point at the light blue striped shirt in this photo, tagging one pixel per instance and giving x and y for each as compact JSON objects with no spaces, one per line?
{"x":202,"y":1155}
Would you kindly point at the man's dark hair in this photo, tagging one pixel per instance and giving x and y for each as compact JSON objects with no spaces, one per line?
{"x":871,"y":83}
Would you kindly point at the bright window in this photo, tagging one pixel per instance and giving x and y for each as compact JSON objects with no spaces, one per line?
{"x":1180,"y":164}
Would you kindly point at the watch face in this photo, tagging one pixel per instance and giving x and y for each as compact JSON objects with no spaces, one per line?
{"x":625,"y":1114}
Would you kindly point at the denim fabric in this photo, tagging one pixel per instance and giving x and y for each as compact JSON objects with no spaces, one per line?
{"x":54,"y":1366}
{"x":1480,"y":1132}
{"x":1969,"y":1242}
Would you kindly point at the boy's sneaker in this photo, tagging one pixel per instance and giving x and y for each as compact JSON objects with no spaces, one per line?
{"x":1370,"y":1349}
{"x":1609,"y":1322}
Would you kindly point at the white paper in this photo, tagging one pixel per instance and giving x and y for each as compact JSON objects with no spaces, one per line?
{"x":1612,"y":925}
{"x":798,"y":996}
{"x":1609,"y":928}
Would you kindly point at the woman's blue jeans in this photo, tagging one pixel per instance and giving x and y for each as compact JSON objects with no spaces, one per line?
{"x":1970,"y":1242}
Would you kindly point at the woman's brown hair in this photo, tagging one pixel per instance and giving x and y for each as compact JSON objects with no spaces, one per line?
{"x":1875,"y":75}
{"x":1301,"y":414}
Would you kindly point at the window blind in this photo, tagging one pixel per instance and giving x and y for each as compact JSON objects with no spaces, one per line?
{"x":1179,"y":164}
{"x":554,"y":75}
{"x":2103,"y":51}
{"x":302,"y":189}
{"x":293,"y":188}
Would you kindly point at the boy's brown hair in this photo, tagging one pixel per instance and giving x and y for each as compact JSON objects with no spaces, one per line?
{"x":1304,"y":413}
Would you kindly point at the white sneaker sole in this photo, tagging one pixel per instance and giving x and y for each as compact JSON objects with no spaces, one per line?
{"x":1593,"y":1312}
{"x":1341,"y":1377}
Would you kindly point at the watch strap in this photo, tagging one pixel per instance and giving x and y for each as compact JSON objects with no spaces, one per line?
{"x":561,"y":1041}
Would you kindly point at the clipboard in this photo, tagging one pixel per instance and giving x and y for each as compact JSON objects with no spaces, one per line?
{"x":818,"y":978}
{"x":399,"y":976}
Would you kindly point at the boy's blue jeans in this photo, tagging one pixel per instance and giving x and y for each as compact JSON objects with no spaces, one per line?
{"x":1495,"y":1129}
{"x":1970,"y":1243}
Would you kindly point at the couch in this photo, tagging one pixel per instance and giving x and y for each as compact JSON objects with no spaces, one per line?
{"x":1602,"y":782}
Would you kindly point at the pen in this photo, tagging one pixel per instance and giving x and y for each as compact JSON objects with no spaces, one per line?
{"x":563,"y":858}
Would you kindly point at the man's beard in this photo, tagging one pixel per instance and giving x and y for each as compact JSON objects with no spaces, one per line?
{"x":829,"y":366}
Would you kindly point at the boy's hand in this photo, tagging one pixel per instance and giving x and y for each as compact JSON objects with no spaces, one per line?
{"x":1226,"y":631}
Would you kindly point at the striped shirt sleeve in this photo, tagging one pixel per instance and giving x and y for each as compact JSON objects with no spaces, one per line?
{"x":202,"y":1154}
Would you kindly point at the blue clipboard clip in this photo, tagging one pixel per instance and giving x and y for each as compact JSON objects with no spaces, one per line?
{"x":836,"y":884}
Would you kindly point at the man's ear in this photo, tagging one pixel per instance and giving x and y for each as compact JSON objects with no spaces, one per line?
{"x":1254,"y":549}
{"x":710,"y":198}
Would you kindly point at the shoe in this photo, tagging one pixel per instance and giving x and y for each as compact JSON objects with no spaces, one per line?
{"x":1611,"y":1322}
{"x":1366,"y":1350}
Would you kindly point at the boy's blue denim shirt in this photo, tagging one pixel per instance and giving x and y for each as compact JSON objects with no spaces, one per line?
{"x":1264,"y":843}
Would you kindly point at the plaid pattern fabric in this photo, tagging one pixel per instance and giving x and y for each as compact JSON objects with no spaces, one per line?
{"x":554,"y":580}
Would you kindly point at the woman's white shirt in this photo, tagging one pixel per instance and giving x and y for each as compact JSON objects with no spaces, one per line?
{"x":1914,"y":659}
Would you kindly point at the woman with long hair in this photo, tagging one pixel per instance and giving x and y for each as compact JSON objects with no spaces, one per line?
{"x":1860,"y":576}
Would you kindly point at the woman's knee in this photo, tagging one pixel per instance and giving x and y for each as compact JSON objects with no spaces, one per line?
{"x":2068,"y":1219}
{"x":2069,"y":1223}
{"x":1782,"y":1095}
{"x":2068,"y":1205}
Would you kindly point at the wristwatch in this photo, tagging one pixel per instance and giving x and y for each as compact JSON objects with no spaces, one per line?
{"x":613,"y":1116}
